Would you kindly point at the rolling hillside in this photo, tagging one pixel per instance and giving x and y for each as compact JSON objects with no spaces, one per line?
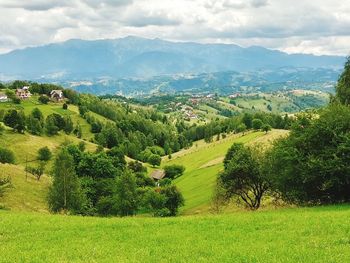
{"x":203,"y":162}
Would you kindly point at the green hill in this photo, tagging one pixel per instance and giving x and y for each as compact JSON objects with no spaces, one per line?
{"x":203,"y":162}
{"x":285,"y":235}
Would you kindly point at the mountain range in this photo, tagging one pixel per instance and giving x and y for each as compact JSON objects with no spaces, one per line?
{"x":134,"y":57}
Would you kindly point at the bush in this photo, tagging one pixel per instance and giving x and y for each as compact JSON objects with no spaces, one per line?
{"x":174,"y":171}
{"x":65,"y":106}
{"x":43,"y":99}
{"x":6,"y":156}
{"x":44,"y":154}
{"x":257,"y":123}
{"x":154,"y":160}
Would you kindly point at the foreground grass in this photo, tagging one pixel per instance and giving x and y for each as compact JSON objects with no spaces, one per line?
{"x":288,"y":235}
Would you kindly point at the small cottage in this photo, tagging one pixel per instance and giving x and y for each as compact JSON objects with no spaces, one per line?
{"x":23,"y":93}
{"x":56,"y":95}
{"x":157,"y":174}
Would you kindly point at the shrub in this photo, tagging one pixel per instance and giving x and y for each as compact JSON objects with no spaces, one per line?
{"x":6,"y":156}
{"x":44,"y":154}
{"x":174,"y":171}
{"x":43,"y":99}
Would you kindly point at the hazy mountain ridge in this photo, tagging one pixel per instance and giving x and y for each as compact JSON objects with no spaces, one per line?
{"x":144,"y":58}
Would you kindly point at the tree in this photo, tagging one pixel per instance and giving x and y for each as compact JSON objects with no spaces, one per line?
{"x":241,"y":128}
{"x":50,"y":126}
{"x":44,"y":154}
{"x":266,"y":128}
{"x":68,"y":124}
{"x":65,"y":194}
{"x":154,"y":160}
{"x":6,"y":156}
{"x":173,"y":199}
{"x":343,"y":85}
{"x":65,"y":106}
{"x":37,"y":171}
{"x":43,"y":99}
{"x":15,"y":120}
{"x":311,"y":165}
{"x":257,"y":124}
{"x":34,"y":126}
{"x":126,"y":194}
{"x":174,"y":171}
{"x":243,"y":176}
{"x":78,"y":130}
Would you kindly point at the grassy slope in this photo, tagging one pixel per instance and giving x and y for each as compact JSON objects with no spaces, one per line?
{"x":203,"y":162}
{"x":285,"y":235}
{"x":26,"y":194}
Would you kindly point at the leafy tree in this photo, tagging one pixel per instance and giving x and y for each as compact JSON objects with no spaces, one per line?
{"x":15,"y":120}
{"x":68,"y":124}
{"x":343,"y":85}
{"x":126,"y":195}
{"x":154,"y":160}
{"x":37,"y":171}
{"x":311,"y":166}
{"x":174,"y":171}
{"x":257,"y":124}
{"x":154,"y":201}
{"x":78,"y":130}
{"x":173,"y":199}
{"x":6,"y":156}
{"x":266,"y":128}
{"x":65,"y":106}
{"x":44,"y":99}
{"x":34,"y":125}
{"x":44,"y":154}
{"x":51,"y":126}
{"x":241,"y":128}
{"x":247,"y":120}
{"x":65,"y":194}
{"x":243,"y":176}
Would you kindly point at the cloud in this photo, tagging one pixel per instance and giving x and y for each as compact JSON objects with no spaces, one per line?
{"x":319,"y":26}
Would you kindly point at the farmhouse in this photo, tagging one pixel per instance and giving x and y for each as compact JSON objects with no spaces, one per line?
{"x":3,"y":97}
{"x":23,"y":93}
{"x":56,"y":95}
{"x":158,"y":174}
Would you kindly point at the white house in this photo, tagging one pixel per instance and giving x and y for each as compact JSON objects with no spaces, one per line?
{"x":3,"y":97}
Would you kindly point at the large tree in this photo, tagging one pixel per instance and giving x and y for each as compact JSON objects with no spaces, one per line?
{"x":343,"y":85}
{"x":65,"y":194}
{"x":243,"y":176}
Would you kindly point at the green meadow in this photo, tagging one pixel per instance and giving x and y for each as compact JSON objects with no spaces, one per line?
{"x":320,"y":234}
{"x":203,"y":162}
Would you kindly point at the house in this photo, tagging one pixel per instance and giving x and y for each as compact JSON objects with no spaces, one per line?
{"x":56,"y":95}
{"x":23,"y":93}
{"x":3,"y":97}
{"x":157,"y":174}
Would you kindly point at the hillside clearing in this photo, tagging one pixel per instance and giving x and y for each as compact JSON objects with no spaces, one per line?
{"x":204,"y":161}
{"x":287,"y":235}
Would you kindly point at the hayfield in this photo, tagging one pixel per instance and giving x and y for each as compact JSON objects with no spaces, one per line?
{"x":320,"y":234}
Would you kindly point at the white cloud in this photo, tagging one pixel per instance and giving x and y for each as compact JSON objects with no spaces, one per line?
{"x":313,"y":26}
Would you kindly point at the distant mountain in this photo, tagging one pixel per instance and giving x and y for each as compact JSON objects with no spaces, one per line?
{"x":134,"y":57}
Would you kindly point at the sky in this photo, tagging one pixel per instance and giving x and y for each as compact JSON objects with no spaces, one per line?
{"x":320,"y":27}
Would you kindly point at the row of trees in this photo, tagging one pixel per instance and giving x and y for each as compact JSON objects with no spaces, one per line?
{"x":37,"y":124}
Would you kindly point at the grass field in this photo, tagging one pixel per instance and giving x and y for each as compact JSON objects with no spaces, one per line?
{"x":26,"y":194}
{"x":287,"y":235}
{"x":203,"y":162}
